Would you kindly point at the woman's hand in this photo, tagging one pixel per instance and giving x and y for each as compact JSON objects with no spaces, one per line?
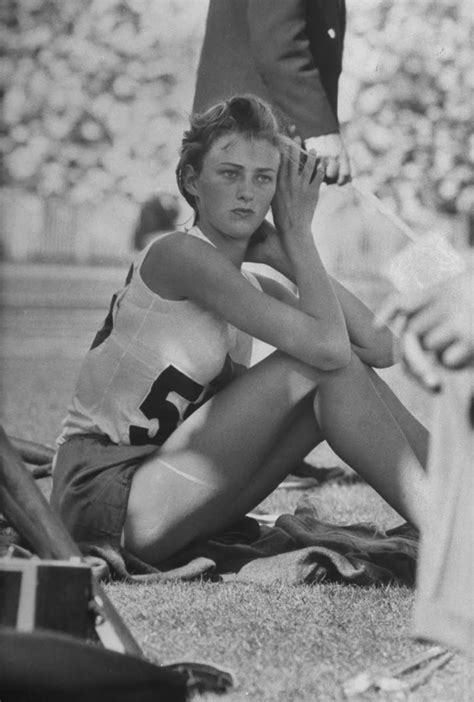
{"x":297,"y":193}
{"x":293,"y":208}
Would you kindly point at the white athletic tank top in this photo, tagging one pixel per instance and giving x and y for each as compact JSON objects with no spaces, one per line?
{"x":152,"y":363}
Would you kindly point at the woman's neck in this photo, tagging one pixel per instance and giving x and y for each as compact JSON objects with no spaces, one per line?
{"x":233,"y":249}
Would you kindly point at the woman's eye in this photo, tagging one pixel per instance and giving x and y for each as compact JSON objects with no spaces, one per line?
{"x":262,"y":178}
{"x":229,"y":174}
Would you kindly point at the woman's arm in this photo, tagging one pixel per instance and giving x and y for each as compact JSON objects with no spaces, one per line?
{"x":183,"y":267}
{"x":186,"y":267}
{"x":293,"y":210}
{"x":373,"y":346}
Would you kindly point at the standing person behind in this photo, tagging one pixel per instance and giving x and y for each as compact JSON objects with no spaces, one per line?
{"x":289,"y":52}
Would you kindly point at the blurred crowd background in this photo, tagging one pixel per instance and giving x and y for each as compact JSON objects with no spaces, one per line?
{"x":96,"y":94}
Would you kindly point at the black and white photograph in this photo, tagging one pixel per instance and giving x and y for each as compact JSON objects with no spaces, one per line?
{"x":236,"y":350}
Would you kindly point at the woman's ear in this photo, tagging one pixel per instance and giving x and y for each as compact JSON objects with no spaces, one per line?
{"x":189,"y":179}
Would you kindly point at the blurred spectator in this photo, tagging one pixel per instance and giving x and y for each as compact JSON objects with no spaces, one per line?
{"x":158,"y":214}
{"x":441,"y":318}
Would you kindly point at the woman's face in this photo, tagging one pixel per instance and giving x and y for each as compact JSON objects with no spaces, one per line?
{"x":236,"y":185}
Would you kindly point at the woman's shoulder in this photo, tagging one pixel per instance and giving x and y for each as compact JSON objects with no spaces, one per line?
{"x":180,"y":247}
{"x":170,"y":259}
{"x":162,"y":240}
{"x":162,"y":250}
{"x":177,"y":240}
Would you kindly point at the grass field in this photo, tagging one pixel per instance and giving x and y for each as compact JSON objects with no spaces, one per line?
{"x":282,"y":643}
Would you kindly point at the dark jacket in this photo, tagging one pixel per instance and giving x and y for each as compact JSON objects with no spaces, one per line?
{"x":286,"y":51}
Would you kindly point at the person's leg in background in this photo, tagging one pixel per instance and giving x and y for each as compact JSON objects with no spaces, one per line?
{"x":444,"y":605}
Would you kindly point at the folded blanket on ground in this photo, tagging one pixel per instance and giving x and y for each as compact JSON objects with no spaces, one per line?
{"x":299,"y":549}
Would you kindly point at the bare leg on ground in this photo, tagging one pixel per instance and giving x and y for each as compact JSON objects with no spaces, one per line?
{"x":234,"y":450}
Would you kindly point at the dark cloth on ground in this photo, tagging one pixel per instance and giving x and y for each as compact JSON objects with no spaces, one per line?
{"x":299,"y":549}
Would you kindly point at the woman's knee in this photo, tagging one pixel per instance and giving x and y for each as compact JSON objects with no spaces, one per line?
{"x":352,"y":368}
{"x":354,"y":372}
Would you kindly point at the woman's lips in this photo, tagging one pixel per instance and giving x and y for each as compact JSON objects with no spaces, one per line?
{"x":243,"y":212}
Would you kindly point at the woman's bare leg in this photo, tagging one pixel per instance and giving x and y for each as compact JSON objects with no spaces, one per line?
{"x":298,"y":437}
{"x":305,"y":433}
{"x":416,"y":434}
{"x":189,"y":489}
{"x":359,"y":426}
{"x":219,"y":463}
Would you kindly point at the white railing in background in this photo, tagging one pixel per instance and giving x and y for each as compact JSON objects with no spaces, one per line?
{"x":54,"y":229}
{"x":354,"y":239}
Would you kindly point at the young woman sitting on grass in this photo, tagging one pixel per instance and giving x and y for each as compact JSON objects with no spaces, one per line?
{"x":146,"y":457}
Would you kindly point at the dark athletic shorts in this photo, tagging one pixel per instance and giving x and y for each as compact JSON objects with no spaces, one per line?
{"x":91,"y":484}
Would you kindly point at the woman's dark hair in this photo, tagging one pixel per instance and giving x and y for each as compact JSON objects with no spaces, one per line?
{"x":246,"y":115}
